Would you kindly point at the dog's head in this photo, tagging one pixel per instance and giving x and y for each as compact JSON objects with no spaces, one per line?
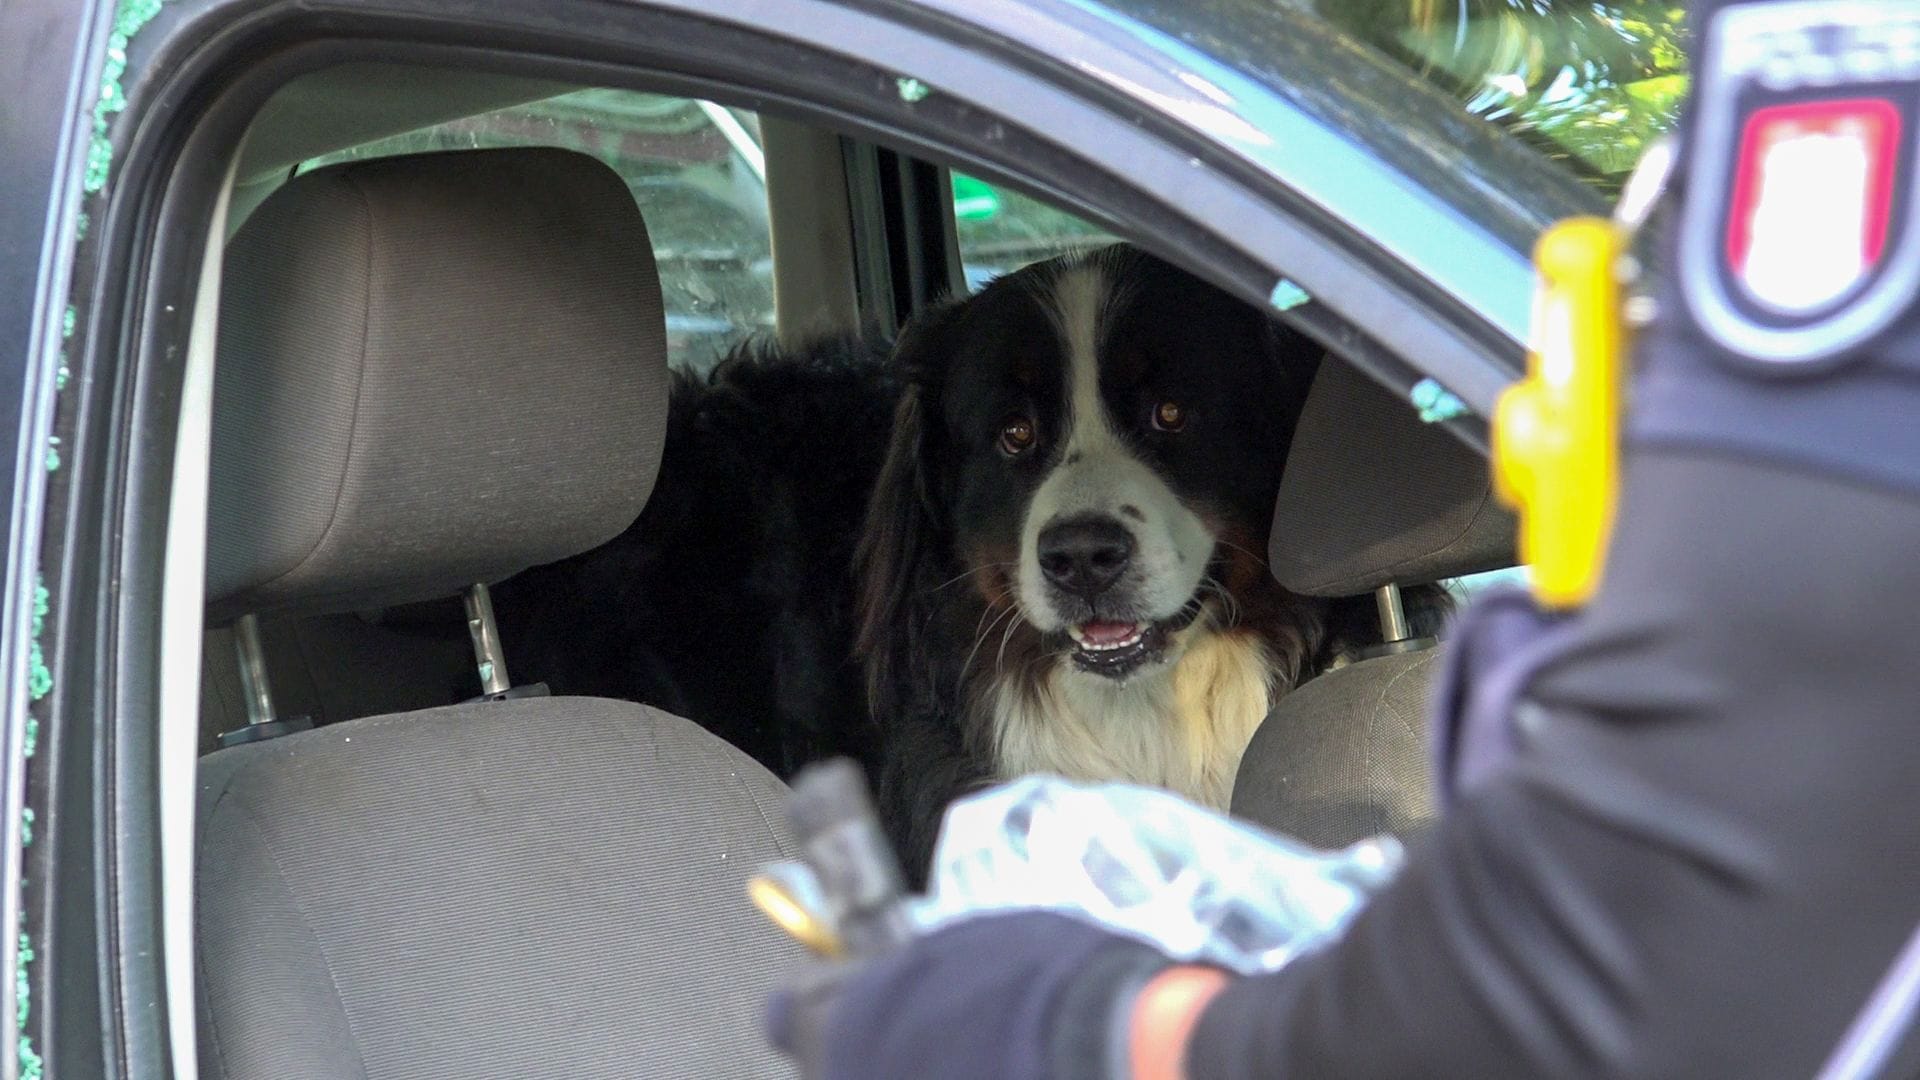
{"x":1090,"y":447}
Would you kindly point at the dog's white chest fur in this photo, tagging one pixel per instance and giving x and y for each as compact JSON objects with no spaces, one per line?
{"x":1183,"y":728}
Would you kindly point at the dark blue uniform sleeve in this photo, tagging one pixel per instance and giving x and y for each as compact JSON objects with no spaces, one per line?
{"x":1705,"y":857}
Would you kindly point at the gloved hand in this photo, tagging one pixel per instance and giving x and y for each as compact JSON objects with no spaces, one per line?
{"x":1018,"y":996}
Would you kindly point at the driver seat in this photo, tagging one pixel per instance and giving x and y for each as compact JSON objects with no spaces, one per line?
{"x":1373,"y":499}
{"x":436,"y":371}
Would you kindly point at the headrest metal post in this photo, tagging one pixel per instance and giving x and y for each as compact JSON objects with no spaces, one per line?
{"x":252,"y":655}
{"x":1393,"y":617}
{"x":488,"y":657}
{"x":263,"y":721}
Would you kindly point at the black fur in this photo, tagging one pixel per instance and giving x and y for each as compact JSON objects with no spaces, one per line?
{"x":730,"y":600}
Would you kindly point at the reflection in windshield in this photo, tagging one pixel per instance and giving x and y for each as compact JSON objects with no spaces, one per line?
{"x":1589,"y":83}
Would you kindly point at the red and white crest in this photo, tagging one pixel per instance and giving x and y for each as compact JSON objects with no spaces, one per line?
{"x":1800,"y":238}
{"x":1812,"y":200}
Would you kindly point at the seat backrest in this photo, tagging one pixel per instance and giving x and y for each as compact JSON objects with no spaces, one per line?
{"x":434,"y":371}
{"x":1372,"y":497}
{"x":541,"y":887}
{"x":1345,"y":756}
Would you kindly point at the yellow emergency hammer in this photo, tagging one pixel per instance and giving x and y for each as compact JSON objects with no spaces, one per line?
{"x":1556,"y":433}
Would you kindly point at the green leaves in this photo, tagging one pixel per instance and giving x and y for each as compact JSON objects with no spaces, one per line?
{"x":1590,"y":84}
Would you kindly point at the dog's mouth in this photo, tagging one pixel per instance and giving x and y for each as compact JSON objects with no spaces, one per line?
{"x":1117,"y":649}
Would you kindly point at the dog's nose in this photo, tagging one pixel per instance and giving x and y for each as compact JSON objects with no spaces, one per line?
{"x":1084,"y":555}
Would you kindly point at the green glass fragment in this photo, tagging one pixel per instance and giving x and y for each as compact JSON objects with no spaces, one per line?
{"x":127,"y":21}
{"x":99,"y":161}
{"x":30,"y":738}
{"x":26,"y":826}
{"x":912,"y":91}
{"x":20,"y":981}
{"x":1286,"y":296}
{"x":32,"y":1066}
{"x":39,"y":677}
{"x":1436,"y":403}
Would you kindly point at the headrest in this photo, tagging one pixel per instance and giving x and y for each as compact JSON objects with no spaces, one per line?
{"x":1374,"y":496}
{"x":1346,"y":756}
{"x":432,"y":371}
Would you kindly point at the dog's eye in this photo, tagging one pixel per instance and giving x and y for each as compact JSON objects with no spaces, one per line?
{"x":1017,"y":437}
{"x":1168,"y":416}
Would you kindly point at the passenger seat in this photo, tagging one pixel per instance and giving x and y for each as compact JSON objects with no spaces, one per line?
{"x":1372,"y":500}
{"x":435,"y":371}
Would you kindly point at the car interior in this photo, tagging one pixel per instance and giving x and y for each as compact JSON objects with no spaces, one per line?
{"x":448,"y":304}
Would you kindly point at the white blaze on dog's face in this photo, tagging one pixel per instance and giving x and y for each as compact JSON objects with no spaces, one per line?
{"x":1109,"y":553}
{"x":1104,"y":441}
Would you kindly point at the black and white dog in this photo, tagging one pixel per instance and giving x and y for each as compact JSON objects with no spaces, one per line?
{"x":1063,"y":565}
{"x":1067,"y":482}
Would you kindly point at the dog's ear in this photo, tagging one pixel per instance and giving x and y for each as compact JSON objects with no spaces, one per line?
{"x":902,"y":537}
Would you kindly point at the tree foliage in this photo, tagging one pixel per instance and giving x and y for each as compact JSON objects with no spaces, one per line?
{"x":1589,"y":82}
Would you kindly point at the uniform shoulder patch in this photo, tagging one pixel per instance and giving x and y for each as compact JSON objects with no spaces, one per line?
{"x":1799,"y":238}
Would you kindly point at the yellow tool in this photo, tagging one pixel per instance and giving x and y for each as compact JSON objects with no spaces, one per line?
{"x":843,"y":897}
{"x":1556,"y":433}
{"x":778,"y":897}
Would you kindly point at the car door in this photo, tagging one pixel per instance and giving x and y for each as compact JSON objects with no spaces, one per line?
{"x":50,"y":72}
{"x":1330,"y":181}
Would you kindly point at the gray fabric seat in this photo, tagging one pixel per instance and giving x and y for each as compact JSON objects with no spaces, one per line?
{"x":1371,"y":497}
{"x":436,"y":371}
{"x":1344,"y":757}
{"x":542,"y":887}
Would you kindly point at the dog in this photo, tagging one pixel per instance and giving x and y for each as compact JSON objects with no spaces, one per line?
{"x":1062,"y":566}
{"x":1027,"y":536}
{"x":730,"y":600}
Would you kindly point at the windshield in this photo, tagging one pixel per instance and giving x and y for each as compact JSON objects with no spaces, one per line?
{"x":1586,"y":84}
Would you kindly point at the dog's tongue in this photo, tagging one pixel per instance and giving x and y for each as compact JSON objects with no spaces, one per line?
{"x":1107,"y":633}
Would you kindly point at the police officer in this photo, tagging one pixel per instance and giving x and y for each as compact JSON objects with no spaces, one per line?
{"x":1683,"y":825}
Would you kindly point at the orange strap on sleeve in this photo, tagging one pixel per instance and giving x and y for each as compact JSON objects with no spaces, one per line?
{"x":1164,"y":1016}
